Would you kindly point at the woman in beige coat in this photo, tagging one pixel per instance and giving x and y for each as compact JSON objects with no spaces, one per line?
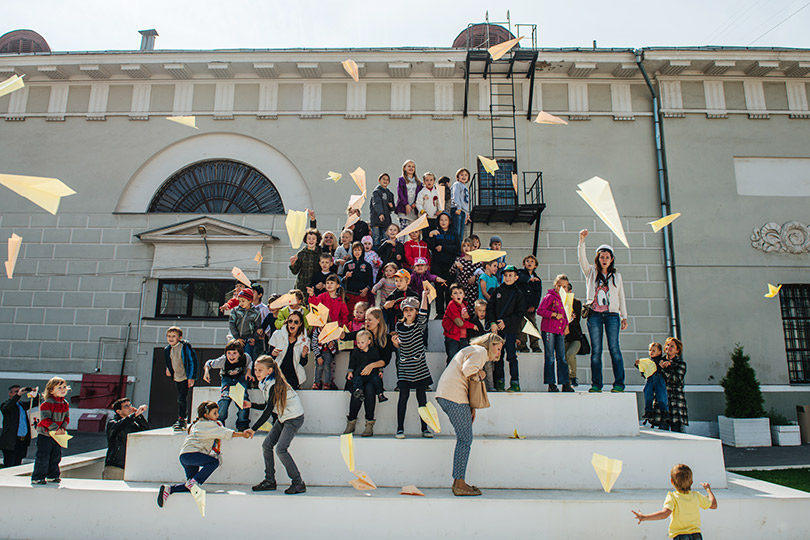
{"x":452,"y":394}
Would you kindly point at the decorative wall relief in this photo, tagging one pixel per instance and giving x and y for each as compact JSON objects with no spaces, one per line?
{"x":792,"y":237}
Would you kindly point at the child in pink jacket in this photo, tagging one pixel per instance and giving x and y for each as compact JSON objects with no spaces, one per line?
{"x":553,"y":327}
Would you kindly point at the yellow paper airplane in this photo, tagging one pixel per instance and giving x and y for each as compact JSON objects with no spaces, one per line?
{"x":515,"y":183}
{"x":267,"y":426}
{"x":333,"y":176}
{"x":258,"y":258}
{"x":428,"y":286}
{"x":188,"y":121}
{"x":485,"y":255}
{"x":490,"y":165}
{"x":646,"y":367}
{"x":359,"y":177}
{"x":199,"y":497}
{"x":363,"y":481}
{"x":351,"y":68}
{"x":596,"y":192}
{"x":286,"y":299}
{"x":546,"y":118}
{"x":62,"y":439}
{"x":530,"y":329}
{"x":318,"y":315}
{"x":515,"y":435}
{"x":240,"y":276}
{"x":608,"y":470}
{"x":33,"y":393}
{"x":11,"y":84}
{"x":347,"y":449}
{"x":329,"y":332}
{"x":356,"y":201}
{"x":501,"y":49}
{"x":237,"y":394}
{"x":441,"y":189}
{"x":418,"y":224}
{"x":296,"y":223}
{"x":659,"y":224}
{"x":772,"y":291}
{"x":430,"y":416}
{"x":44,"y":192}
{"x":411,"y":490}
{"x":568,"y":303}
{"x":14,"y":244}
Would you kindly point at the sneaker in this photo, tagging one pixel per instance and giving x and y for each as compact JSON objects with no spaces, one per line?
{"x":381,"y":398}
{"x":427,"y":434}
{"x":400,"y":434}
{"x":180,"y":425}
{"x":316,"y":386}
{"x":595,"y":390}
{"x":190,"y":483}
{"x":499,"y":386}
{"x":330,"y":386}
{"x":523,"y":350}
{"x":568,"y":388}
{"x":265,"y":485}
{"x":537,"y":349}
{"x":617,"y":389}
{"x":358,"y":394}
{"x":54,"y":480}
{"x":553,"y":388}
{"x":163,"y":494}
{"x":38,"y":482}
{"x":296,"y":488}
{"x":514,"y":387}
{"x":429,"y":389}
{"x":574,"y":382}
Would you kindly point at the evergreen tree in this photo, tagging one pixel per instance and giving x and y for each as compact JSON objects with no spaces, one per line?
{"x":743,"y":396}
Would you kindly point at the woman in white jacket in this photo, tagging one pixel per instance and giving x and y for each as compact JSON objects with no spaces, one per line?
{"x":288,"y":345}
{"x":608,"y":311}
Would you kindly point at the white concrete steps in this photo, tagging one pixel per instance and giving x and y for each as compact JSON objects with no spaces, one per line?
{"x":96,"y":509}
{"x":534,"y":414}
{"x":495,"y":462}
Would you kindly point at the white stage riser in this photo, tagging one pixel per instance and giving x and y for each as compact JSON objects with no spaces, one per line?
{"x":494,"y":462}
{"x":89,"y":510}
{"x":532,"y":414}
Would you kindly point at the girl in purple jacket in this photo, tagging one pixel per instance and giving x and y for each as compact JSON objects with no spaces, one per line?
{"x":408,"y":186}
{"x":553,"y":327}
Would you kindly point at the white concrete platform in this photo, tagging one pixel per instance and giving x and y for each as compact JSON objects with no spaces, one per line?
{"x":96,"y":509}
{"x":532,"y":414}
{"x":495,"y":462}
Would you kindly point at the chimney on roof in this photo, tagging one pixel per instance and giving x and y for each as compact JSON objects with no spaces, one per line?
{"x":148,"y":39}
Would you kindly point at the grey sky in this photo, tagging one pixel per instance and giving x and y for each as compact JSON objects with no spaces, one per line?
{"x":213,"y":24}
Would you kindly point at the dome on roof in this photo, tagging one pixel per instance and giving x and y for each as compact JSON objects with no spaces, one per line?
{"x":475,"y":36}
{"x":23,"y":41}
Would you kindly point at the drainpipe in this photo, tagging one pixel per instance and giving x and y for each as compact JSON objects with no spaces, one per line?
{"x":663,"y":189}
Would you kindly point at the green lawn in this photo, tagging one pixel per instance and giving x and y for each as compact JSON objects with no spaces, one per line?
{"x":792,"y":478}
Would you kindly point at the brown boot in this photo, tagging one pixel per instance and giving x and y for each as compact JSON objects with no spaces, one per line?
{"x":350,"y":425}
{"x":461,"y":489}
{"x":369,"y":431}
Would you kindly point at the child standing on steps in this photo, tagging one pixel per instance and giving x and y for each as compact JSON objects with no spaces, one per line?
{"x":408,"y":187}
{"x":412,"y":368}
{"x":460,"y":202}
{"x":655,"y":388}
{"x":683,"y":506}
{"x":282,"y":400}
{"x":325,"y":353}
{"x":236,"y":367}
{"x":245,"y":321}
{"x":181,"y":366}
{"x":305,"y":263}
{"x":427,"y":202}
{"x":54,"y":418}
{"x":553,"y":328}
{"x":380,"y":208}
{"x":200,"y":453}
{"x":505,"y":311}
{"x":371,"y":257}
{"x":363,"y":354}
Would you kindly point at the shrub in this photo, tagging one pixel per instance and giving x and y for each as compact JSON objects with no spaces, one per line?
{"x":741,"y":387}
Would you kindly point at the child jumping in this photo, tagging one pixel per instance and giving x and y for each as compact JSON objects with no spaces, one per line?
{"x":282,"y":400}
{"x":200,"y":453}
{"x":235,"y":368}
{"x":181,"y":366}
{"x":54,"y":418}
{"x":682,"y":506}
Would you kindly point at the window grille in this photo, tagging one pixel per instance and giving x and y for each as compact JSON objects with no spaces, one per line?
{"x":795,"y":301}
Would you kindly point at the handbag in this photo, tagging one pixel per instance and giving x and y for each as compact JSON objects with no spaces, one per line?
{"x":477,"y":393}
{"x":586,"y":310}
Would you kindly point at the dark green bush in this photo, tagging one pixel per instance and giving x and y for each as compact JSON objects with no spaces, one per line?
{"x":741,"y":387}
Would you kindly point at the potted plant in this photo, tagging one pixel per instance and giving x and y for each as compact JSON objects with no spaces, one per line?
{"x":783,"y":432}
{"x":745,"y":423}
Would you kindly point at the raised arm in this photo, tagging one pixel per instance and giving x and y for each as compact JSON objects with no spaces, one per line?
{"x":584,"y":264}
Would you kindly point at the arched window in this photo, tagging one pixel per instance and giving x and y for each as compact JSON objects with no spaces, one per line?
{"x":218,"y":187}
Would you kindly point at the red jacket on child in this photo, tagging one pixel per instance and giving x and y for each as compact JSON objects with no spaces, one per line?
{"x":338,"y":311}
{"x":551,"y":304}
{"x":415,"y":249}
{"x":455,"y":311}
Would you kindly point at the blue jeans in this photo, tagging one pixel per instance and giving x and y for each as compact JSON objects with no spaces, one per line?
{"x":599,"y":324}
{"x":451,"y":346}
{"x":242,"y":415}
{"x":554,"y":344}
{"x":377,"y":235}
{"x":656,"y":388}
{"x":198,"y":466}
{"x":510,"y":351}
{"x":459,"y":221}
{"x":324,"y":370}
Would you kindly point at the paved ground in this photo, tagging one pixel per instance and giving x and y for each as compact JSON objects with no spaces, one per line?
{"x":79,"y":444}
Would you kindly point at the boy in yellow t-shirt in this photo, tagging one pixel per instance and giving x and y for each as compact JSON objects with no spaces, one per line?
{"x":683,"y":505}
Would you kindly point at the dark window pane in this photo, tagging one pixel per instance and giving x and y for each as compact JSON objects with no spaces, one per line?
{"x":497,"y":189}
{"x":192,"y":298}
{"x":795,"y":302}
{"x":174,"y":298}
{"x":208,"y":296}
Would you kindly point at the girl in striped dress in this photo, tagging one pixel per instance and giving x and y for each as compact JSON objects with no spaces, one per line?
{"x":412,"y":368}
{"x":463,"y":273}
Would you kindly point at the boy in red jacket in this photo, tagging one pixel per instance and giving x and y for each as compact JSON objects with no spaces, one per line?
{"x":416,"y":248}
{"x":455,"y":322}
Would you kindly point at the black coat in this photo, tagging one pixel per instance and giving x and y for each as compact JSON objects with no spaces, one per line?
{"x":11,"y":421}
{"x":507,"y":304}
{"x":117,"y":431}
{"x":532,"y":290}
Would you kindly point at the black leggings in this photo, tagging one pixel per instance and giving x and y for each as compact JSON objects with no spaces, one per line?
{"x":402,"y":404}
{"x":369,"y":400}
